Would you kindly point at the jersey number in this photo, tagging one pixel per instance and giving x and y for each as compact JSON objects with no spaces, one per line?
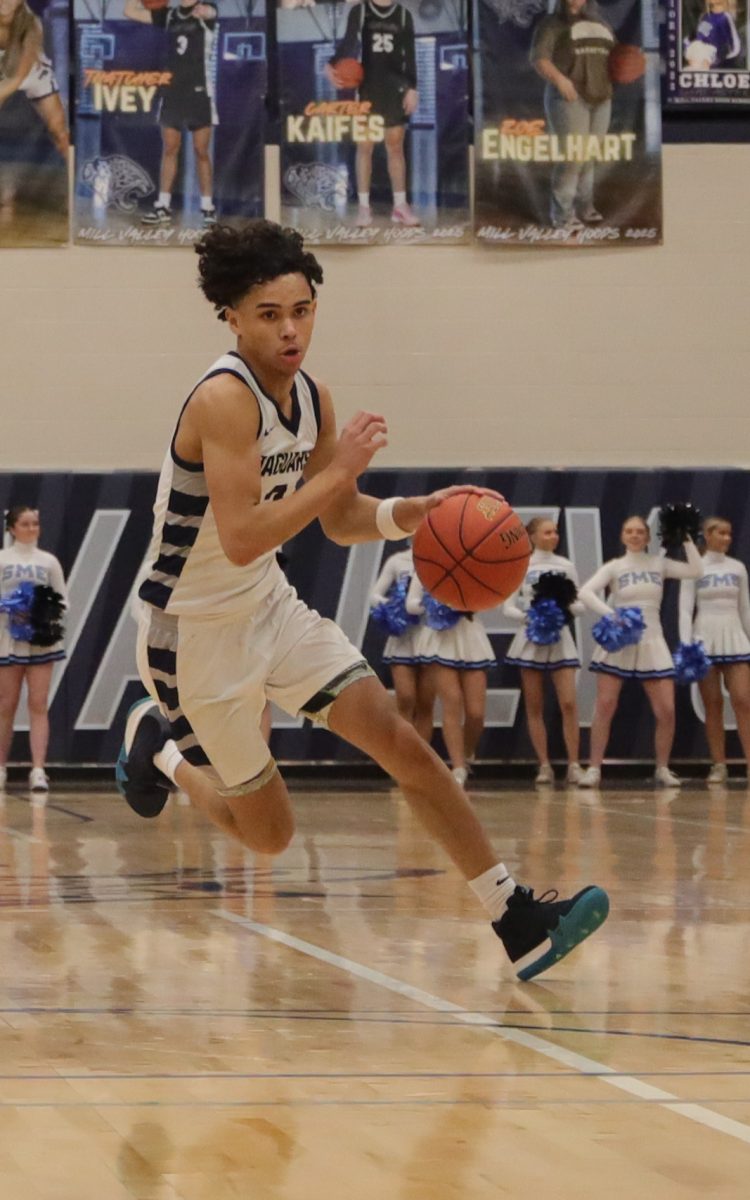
{"x":382,"y":43}
{"x":278,"y":493}
{"x":182,"y":44}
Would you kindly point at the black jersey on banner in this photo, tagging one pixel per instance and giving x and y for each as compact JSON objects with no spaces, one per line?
{"x":383,"y":39}
{"x":189,"y":98}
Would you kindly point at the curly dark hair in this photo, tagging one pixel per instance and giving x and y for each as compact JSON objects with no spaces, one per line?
{"x":233,"y":260}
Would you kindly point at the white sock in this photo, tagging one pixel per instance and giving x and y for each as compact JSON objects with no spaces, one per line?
{"x":168,"y":759}
{"x":207,"y":202}
{"x":165,"y":199}
{"x":493,"y":889}
{"x":364,"y":199}
{"x":399,"y":199}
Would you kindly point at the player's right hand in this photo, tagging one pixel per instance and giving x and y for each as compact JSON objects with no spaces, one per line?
{"x":567,"y":89}
{"x":332,"y":75}
{"x":360,"y":440}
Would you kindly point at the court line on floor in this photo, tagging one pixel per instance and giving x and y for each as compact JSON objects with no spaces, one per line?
{"x":569,"y":1058}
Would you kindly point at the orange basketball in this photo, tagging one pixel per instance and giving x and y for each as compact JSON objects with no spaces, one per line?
{"x":626,"y":64}
{"x":472,"y":551}
{"x":349,"y":73}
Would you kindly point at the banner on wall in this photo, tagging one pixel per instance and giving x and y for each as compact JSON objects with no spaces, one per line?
{"x":567,"y":123}
{"x":170,"y":118}
{"x":707,"y":53}
{"x":34,"y":139}
{"x":374,"y":110}
{"x":99,"y":526}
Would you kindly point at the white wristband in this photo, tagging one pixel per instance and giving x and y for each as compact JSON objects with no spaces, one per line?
{"x":387,"y":527}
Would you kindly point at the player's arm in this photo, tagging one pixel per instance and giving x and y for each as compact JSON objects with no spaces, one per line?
{"x":221,"y":427}
{"x":350,"y":516}
{"x":30,"y":50}
{"x":348,"y":47}
{"x":135,"y":11}
{"x":542,"y":49}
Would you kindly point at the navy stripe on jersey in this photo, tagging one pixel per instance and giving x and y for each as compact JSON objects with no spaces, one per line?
{"x":186,"y":507}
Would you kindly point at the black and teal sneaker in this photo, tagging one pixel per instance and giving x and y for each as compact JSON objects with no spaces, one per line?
{"x":538,"y":933}
{"x":143,"y":785}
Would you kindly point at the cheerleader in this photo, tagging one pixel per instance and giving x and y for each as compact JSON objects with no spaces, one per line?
{"x":21,"y":562}
{"x":722,"y":623}
{"x":456,"y":662}
{"x":415,"y":694}
{"x":636,"y":580}
{"x":558,"y":661}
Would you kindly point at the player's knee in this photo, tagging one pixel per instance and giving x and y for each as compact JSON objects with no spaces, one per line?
{"x":274,"y":838}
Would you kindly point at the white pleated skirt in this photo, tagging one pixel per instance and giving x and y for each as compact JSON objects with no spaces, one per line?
{"x":405,"y":650}
{"x":525,"y":653}
{"x":22,"y":654}
{"x":723,"y":637}
{"x":465,"y":647}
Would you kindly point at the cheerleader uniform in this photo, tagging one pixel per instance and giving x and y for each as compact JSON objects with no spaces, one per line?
{"x":464,"y":647}
{"x":722,"y":600}
{"x":637,"y":580}
{"x":403,"y":650}
{"x":24,"y":563}
{"x":524,"y":653}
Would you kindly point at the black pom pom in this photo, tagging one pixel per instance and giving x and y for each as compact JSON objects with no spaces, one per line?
{"x":554,"y":585}
{"x":678,"y":522}
{"x":46,"y":616}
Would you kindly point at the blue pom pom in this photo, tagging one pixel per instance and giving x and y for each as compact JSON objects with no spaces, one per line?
{"x":633,"y":624}
{"x":691,"y":662}
{"x":625,"y":628}
{"x":544,"y":622}
{"x":18,"y":607}
{"x":392,"y":615}
{"x":439,"y":616}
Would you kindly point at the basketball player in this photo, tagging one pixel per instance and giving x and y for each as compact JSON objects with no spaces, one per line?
{"x":382,"y":36}
{"x":24,"y":67}
{"x":225,"y":630}
{"x":716,"y":610}
{"x":558,"y":662}
{"x":188,"y":101}
{"x":636,"y":579}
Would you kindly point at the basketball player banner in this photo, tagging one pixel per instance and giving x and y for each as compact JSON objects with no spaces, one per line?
{"x":170,"y":118}
{"x":99,"y":526}
{"x":707,"y":53}
{"x":567,"y":123}
{"x":374,"y":110}
{"x":34,"y":138}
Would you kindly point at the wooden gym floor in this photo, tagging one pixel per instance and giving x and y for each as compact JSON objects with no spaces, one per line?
{"x":181,"y":1020}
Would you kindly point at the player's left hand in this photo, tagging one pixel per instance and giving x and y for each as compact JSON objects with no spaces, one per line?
{"x":411,"y":511}
{"x":411,"y":101}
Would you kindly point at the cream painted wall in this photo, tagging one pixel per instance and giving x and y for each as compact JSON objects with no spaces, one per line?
{"x":477,"y":356}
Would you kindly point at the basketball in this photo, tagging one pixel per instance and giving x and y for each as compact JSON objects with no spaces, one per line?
{"x":471,"y":551}
{"x":626,"y":64}
{"x":349,"y":72}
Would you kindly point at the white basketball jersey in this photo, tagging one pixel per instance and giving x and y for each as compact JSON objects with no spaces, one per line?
{"x":190,"y":573}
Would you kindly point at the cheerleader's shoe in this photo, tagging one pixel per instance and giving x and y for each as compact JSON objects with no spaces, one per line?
{"x":538,"y":933}
{"x":38,"y":781}
{"x":460,"y":774}
{"x":143,"y":785}
{"x":663,"y":777}
{"x":545,"y":776}
{"x":718,"y":773}
{"x":590,"y":778}
{"x":574,"y":774}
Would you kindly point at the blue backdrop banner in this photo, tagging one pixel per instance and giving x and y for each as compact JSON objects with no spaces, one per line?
{"x":170,"y":118}
{"x":99,"y":526}
{"x":567,"y":123}
{"x":34,"y":142}
{"x":374,"y":105}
